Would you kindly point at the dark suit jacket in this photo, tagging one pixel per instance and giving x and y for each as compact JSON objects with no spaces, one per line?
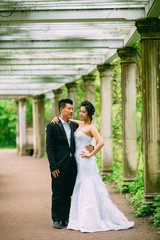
{"x":57,"y":147}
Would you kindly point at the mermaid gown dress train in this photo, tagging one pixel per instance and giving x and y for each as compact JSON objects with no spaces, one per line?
{"x":91,"y":207}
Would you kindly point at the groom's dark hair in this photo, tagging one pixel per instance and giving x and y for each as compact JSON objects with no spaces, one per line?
{"x":62,"y":103}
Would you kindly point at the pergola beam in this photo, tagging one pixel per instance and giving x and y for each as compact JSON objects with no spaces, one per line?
{"x":63,"y":44}
{"x":43,"y":72}
{"x":54,"y":54}
{"x":21,"y":92}
{"x":50,"y":61}
{"x":42,"y":67}
{"x":20,"y":80}
{"x":83,"y":4}
{"x":27,"y":89}
{"x":70,"y":15}
{"x":30,"y":86}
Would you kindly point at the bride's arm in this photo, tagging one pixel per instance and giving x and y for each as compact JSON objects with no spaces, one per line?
{"x":98,"y":138}
{"x":94,"y":132}
{"x":76,"y":121}
{"x":56,"y":120}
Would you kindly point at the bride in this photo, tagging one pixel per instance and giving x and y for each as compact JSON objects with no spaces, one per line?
{"x":91,"y":207}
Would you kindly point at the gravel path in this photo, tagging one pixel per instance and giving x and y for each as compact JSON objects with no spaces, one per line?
{"x":25,"y":199}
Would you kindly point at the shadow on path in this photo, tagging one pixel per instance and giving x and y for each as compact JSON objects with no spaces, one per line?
{"x":25,"y":199}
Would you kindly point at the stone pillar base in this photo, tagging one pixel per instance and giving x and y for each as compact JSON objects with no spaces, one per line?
{"x":105,"y":172}
{"x":149,"y":198}
{"x":128,"y":180}
{"x":40,"y":155}
{"x":24,"y":153}
{"x":34,"y":155}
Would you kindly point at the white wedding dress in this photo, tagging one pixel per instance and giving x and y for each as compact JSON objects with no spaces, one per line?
{"x":91,"y":207}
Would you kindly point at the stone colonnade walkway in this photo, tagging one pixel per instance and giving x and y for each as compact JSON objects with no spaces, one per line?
{"x":25,"y":199}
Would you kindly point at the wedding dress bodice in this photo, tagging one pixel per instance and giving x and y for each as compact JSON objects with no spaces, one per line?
{"x":86,"y":166}
{"x":82,"y":140}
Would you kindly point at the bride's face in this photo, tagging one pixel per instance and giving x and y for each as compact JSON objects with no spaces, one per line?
{"x":83,"y":113}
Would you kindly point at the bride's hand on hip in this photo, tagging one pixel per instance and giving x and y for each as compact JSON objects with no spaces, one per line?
{"x":85,"y":154}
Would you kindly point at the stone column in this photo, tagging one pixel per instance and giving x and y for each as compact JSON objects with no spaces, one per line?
{"x":150,"y":40}
{"x":22,"y":126}
{"x":129,"y":136}
{"x":89,"y":85}
{"x":17,"y":128}
{"x":58,"y":95}
{"x":38,"y":126}
{"x":106,"y":116}
{"x":72,"y":94}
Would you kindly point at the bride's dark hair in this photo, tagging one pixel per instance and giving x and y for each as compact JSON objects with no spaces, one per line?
{"x":90,"y":108}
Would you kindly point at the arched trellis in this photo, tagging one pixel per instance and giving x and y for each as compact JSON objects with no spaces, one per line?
{"x":47,"y":44}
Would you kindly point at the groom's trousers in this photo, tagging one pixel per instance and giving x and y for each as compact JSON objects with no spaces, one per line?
{"x":62,"y":188}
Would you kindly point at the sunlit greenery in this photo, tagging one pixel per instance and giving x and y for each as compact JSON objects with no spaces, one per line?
{"x":29,"y":117}
{"x":7,"y":123}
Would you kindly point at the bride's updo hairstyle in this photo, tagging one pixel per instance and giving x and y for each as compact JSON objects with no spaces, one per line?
{"x":89,"y":107}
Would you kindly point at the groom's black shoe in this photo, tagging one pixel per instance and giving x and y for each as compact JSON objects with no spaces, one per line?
{"x":65,"y":223}
{"x":57,"y":225}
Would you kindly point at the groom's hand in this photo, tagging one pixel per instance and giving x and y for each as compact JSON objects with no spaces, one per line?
{"x":90,"y":148}
{"x":55,"y":173}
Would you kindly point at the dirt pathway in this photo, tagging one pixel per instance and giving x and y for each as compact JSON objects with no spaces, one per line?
{"x":25,"y":199}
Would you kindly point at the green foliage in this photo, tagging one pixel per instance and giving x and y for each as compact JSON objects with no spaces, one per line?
{"x":80,"y":95}
{"x":146,"y":209}
{"x":117,"y":98}
{"x":151,"y":209}
{"x":155,"y":218}
{"x":136,"y":191}
{"x":48,"y":109}
{"x":7,"y":123}
{"x":139,"y":105}
{"x":29,"y":110}
{"x":98,"y":103}
{"x":116,"y":113}
{"x":115,"y":176}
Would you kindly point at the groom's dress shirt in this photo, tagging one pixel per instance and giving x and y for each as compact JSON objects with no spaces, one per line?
{"x":67,"y":129}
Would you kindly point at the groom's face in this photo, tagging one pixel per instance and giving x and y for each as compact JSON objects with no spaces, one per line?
{"x":67,"y":111}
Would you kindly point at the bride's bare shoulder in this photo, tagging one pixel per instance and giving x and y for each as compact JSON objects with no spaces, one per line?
{"x":92,"y":126}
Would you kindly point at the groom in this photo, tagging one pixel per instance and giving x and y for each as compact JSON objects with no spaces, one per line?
{"x":60,"y":147}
